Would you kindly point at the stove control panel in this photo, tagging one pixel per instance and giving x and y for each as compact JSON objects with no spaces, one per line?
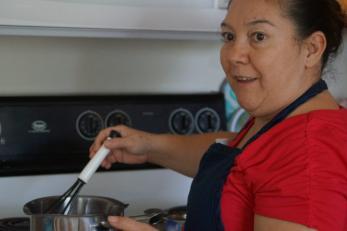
{"x":51,"y":134}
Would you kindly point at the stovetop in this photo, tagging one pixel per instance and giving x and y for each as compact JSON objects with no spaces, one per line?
{"x":23,"y":224}
{"x":15,"y":224}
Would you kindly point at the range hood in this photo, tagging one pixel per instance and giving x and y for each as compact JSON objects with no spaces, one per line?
{"x":170,"y":19}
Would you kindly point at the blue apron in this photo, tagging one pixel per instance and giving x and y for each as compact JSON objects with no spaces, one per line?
{"x":203,"y":208}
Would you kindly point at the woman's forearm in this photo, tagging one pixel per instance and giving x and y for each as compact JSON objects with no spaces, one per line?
{"x":183,"y":153}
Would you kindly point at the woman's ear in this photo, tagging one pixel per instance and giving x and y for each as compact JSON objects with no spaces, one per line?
{"x":315,"y":46}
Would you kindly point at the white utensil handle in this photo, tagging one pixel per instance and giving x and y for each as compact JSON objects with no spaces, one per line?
{"x":93,"y":164}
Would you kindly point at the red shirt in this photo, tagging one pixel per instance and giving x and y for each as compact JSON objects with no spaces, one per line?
{"x":296,"y":171}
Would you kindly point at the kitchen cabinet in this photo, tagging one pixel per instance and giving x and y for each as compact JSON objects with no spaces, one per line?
{"x":172,"y":19}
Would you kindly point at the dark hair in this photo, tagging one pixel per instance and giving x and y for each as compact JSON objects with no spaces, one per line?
{"x":310,"y":16}
{"x":318,"y":15}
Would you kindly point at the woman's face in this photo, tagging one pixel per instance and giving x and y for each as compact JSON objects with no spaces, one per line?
{"x":263,"y":60}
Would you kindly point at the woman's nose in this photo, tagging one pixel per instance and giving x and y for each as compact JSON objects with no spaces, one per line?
{"x":237,"y":53}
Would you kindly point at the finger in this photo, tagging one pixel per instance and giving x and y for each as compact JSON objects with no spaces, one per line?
{"x":104,"y":164}
{"x":91,"y":151}
{"x":117,"y":143}
{"x":107,"y":162}
{"x":111,"y":158}
{"x":128,"y":158}
{"x":127,"y":224}
{"x":100,"y":138}
{"x":108,"y":166}
{"x":104,"y":134}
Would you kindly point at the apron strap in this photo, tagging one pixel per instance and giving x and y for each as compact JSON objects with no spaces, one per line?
{"x":314,"y":90}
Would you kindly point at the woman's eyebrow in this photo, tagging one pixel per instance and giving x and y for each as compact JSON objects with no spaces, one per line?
{"x":260,"y":21}
{"x":251,"y":23}
{"x":224,"y":24}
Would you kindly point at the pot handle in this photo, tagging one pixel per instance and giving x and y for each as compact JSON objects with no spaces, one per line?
{"x":140,"y":218}
{"x":105,"y":224}
{"x":148,"y":219}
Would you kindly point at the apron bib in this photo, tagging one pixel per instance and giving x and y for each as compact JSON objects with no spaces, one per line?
{"x":203,"y":208}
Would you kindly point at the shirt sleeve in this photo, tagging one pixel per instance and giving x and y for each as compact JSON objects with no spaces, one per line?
{"x":305,"y":180}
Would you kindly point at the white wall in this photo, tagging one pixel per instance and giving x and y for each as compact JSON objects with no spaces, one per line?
{"x":337,"y":73}
{"x":98,"y":66}
{"x":58,"y":65}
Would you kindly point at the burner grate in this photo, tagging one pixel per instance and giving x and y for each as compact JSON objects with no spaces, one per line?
{"x":15,"y":224}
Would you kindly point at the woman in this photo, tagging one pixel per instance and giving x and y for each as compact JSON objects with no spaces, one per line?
{"x":287,"y":168}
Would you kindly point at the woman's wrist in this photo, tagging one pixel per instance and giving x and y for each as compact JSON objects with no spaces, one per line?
{"x":159,"y":145}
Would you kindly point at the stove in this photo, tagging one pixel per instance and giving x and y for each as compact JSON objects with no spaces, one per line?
{"x":39,"y":133}
{"x":15,"y":224}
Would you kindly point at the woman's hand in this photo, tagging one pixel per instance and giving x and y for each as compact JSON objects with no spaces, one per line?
{"x":180,"y":153}
{"x":128,"y":224}
{"x":131,"y":148}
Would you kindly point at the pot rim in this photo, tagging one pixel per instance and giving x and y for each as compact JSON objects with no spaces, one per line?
{"x":27,"y":211}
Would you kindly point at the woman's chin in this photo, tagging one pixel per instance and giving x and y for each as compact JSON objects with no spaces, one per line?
{"x":248,"y":107}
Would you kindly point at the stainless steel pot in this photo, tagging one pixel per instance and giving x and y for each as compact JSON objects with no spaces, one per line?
{"x":86,"y":213}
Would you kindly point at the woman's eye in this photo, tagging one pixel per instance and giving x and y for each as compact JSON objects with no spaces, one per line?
{"x":259,"y":36}
{"x":228,"y":36}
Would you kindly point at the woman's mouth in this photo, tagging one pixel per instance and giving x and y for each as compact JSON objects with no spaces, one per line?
{"x":244,"y":79}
